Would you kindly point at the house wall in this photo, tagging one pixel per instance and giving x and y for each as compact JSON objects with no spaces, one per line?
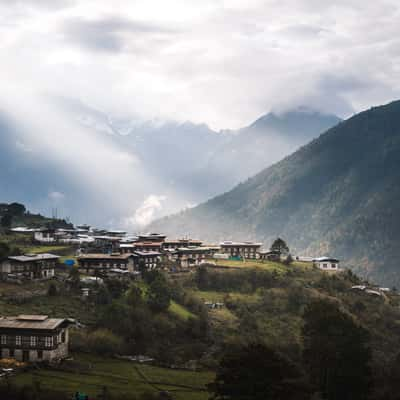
{"x":242,"y":251}
{"x":57,"y":352}
{"x":327,"y":265}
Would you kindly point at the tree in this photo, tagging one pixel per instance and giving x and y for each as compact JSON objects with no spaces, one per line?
{"x":288,"y":260}
{"x":74,"y":277}
{"x":52,"y":290}
{"x":103,"y":296}
{"x":4,"y":250}
{"x":6,"y":221}
{"x":256,"y":372}
{"x":202,"y":277}
{"x":134,"y":296}
{"x":16,"y":209}
{"x":336,"y":352}
{"x":280,"y":246}
{"x":159,"y":296}
{"x":142,"y":267}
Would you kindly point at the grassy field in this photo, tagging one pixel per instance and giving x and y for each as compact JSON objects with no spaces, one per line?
{"x":180,"y":311}
{"x":32,"y":298}
{"x":57,"y":249}
{"x":89,"y":374}
{"x":259,"y":264}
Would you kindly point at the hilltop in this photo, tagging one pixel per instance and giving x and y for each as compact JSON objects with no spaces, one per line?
{"x":338,"y":195}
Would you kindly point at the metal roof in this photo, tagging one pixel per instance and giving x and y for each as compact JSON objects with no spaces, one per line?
{"x":40,"y":322}
{"x":34,"y":257}
{"x":244,"y":244}
{"x":147,"y":253}
{"x":100,"y":256}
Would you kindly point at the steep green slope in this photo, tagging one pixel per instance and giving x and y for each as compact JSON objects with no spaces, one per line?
{"x":338,"y":195}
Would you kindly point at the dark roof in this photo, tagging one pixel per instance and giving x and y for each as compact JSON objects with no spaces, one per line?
{"x":100,"y":256}
{"x":327,"y":259}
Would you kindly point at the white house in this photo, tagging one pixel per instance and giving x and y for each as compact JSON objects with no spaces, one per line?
{"x":327,"y":263}
{"x":45,"y":235}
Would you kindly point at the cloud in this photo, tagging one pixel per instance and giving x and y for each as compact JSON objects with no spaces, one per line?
{"x":111,"y":34}
{"x":37,"y":3}
{"x":148,"y":210}
{"x":56,"y":196}
{"x":220,"y":62}
{"x":21,"y":146}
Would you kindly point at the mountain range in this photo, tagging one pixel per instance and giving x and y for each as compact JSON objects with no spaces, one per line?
{"x":105,"y":170}
{"x":338,"y":195}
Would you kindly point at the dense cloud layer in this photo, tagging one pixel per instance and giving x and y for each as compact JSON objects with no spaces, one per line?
{"x":219,"y":62}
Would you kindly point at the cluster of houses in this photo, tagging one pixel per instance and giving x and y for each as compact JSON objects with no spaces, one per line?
{"x":35,"y":338}
{"x":115,"y":253}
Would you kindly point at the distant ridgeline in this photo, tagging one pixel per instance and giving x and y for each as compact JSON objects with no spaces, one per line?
{"x":15,"y":214}
{"x":339,"y":195}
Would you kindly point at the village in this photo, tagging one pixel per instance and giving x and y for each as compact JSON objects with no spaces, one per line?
{"x":96,"y":259}
{"x":103,"y":254}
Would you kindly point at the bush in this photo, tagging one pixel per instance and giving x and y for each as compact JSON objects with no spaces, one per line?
{"x":52,"y":290}
{"x":100,"y":341}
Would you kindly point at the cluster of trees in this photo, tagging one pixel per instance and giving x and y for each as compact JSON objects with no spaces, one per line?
{"x":8,"y":212}
{"x":245,"y":281}
{"x":137,"y":320}
{"x":335,"y":363}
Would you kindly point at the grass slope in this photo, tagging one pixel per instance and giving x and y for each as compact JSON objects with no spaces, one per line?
{"x":89,"y":374}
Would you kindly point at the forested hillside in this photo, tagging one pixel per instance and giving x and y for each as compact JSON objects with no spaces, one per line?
{"x":338,"y":195}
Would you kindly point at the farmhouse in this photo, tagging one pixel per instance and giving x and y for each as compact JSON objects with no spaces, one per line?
{"x":149,"y":258}
{"x":125,"y":248}
{"x":44,"y":235}
{"x":269,"y":255}
{"x":105,"y":244}
{"x":147,"y":246}
{"x":102,"y":263}
{"x":241,"y":249}
{"x":30,"y":266}
{"x":180,"y":243}
{"x":326,"y":263}
{"x":152,"y":237}
{"x":34,"y":338}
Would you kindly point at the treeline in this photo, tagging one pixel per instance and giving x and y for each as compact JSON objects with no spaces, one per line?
{"x":13,"y":214}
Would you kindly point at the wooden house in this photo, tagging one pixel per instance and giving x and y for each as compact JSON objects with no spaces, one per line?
{"x":29,"y":266}
{"x":34,"y":338}
{"x":247,"y":250}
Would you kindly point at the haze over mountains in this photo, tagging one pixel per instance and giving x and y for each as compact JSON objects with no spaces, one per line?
{"x":123,"y":172}
{"x":338,"y":195}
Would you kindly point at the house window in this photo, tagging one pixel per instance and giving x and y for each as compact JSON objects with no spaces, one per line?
{"x":48,"y":341}
{"x":33,"y":341}
{"x":40,"y":354}
{"x":3,"y":339}
{"x":63,"y":336}
{"x":334,"y":265}
{"x":324,"y":265}
{"x":18,"y":340}
{"x":12,"y":353}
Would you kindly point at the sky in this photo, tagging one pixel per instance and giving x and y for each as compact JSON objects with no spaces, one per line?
{"x":219,"y":62}
{"x":222,"y":62}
